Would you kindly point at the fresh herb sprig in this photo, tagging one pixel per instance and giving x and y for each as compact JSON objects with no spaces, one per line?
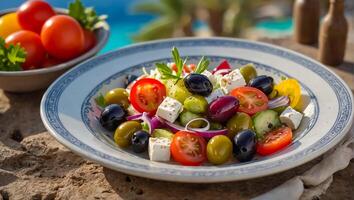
{"x":11,"y":56}
{"x":87,"y":17}
{"x":167,"y":72}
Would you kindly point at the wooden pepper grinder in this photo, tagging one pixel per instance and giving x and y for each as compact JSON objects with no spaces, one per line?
{"x":306,"y":14}
{"x":333,"y":35}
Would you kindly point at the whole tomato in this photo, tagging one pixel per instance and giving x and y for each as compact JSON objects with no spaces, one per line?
{"x":63,"y":37}
{"x":33,"y":14}
{"x":31,"y":42}
{"x":8,"y":24}
{"x":90,"y":40}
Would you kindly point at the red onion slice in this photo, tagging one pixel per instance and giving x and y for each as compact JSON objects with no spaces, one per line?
{"x":279,"y":102}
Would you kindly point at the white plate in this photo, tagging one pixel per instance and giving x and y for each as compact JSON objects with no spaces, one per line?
{"x":69,"y":112}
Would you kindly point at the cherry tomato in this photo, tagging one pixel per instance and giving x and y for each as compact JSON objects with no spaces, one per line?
{"x":63,"y":37}
{"x":251,"y":99}
{"x":147,"y":94}
{"x":50,"y":62}
{"x":8,"y":25}
{"x":186,"y":68}
{"x":31,"y":42}
{"x":90,"y":40}
{"x":188,"y":148}
{"x":275,"y":141}
{"x":32,"y":15}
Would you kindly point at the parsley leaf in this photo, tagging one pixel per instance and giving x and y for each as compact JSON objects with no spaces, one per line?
{"x":202,"y":65}
{"x":11,"y":57}
{"x":87,"y":17}
{"x":100,"y":101}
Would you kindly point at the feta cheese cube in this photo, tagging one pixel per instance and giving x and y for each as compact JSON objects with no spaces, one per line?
{"x":211,"y":77}
{"x":169,"y":109}
{"x":291,"y":118}
{"x":232,"y":80}
{"x":159,"y":149}
{"x":214,"y":95}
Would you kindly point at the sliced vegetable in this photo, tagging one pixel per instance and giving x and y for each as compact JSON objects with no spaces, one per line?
{"x":147,"y":94}
{"x":251,"y":99}
{"x":188,"y":148}
{"x":265,"y":121}
{"x":278,"y":102}
{"x":290,"y":88}
{"x":275,"y":141}
{"x":185,"y":117}
{"x":223,"y":65}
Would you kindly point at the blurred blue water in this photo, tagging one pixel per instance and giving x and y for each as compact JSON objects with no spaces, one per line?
{"x":122,"y":20}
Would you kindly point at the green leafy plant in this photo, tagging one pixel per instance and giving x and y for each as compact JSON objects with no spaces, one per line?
{"x":167,"y":72}
{"x":87,"y":17}
{"x":11,"y":57}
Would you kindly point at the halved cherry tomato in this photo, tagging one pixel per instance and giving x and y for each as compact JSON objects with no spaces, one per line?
{"x":147,"y":94}
{"x":186,"y":68}
{"x":275,"y":141}
{"x":32,"y":15}
{"x":188,"y":148}
{"x":223,"y":65}
{"x":251,"y":99}
{"x":31,"y":42}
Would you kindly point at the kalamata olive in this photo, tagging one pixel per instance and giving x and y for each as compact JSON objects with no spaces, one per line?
{"x":140,"y":141}
{"x":223,"y":108}
{"x":198,"y":84}
{"x":244,"y":145}
{"x":112,"y":116}
{"x":263,"y":83}
{"x":124,"y":132}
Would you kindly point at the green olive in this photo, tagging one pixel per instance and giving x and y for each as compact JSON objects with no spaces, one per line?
{"x":196,"y":104}
{"x":125,"y":131}
{"x":216,"y":126}
{"x":162,"y":133}
{"x":219,"y":149}
{"x":187,"y":116}
{"x":238,"y":122}
{"x":179,"y":93}
{"x":117,"y":96}
{"x":248,"y":72}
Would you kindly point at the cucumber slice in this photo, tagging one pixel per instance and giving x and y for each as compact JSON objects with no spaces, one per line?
{"x":265,"y":121}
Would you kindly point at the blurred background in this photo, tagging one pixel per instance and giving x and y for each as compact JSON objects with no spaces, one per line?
{"x":142,"y":20}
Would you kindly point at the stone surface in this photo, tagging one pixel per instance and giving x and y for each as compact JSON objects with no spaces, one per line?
{"x":33,"y":165}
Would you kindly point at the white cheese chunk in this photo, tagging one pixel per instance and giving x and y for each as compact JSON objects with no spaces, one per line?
{"x":159,"y":149}
{"x":232,"y":80}
{"x":169,"y":109}
{"x":211,"y":77}
{"x":214,"y":95}
{"x":291,"y":118}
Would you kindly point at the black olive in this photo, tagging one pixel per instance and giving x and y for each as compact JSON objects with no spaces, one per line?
{"x":198,"y":84}
{"x":112,"y":116}
{"x":244,"y":145}
{"x":263,"y":83}
{"x":129,"y":79}
{"x":140,"y":141}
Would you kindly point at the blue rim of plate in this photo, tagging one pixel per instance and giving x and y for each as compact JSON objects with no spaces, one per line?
{"x":50,"y":115}
{"x":88,"y":105}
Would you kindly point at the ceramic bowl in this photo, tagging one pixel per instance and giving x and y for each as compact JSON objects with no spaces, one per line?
{"x":32,"y":80}
{"x":69,"y":111}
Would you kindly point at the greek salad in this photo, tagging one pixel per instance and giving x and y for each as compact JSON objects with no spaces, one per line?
{"x":186,"y":113}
